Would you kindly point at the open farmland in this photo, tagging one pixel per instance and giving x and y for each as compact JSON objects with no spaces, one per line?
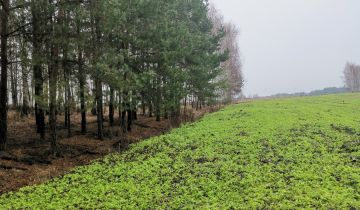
{"x":284,"y":153}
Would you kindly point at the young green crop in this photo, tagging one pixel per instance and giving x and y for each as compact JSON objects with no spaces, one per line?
{"x":274,"y":154}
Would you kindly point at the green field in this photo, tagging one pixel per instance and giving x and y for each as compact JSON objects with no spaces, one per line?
{"x":286,"y":153}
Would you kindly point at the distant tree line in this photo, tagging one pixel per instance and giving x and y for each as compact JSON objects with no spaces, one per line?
{"x":352,"y":77}
{"x":58,"y":56}
{"x":325,"y":91}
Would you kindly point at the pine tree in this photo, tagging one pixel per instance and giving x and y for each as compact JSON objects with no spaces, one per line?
{"x":4,"y":20}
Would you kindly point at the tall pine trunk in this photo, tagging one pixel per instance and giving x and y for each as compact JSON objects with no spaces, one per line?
{"x":53,"y":69}
{"x":38,"y":75}
{"x":53,"y":72}
{"x":81,"y":75}
{"x":97,"y":35}
{"x":3,"y":80}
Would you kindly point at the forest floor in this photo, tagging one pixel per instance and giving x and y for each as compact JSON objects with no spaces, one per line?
{"x":27,"y":162}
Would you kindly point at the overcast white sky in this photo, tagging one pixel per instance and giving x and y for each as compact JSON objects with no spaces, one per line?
{"x":294,"y":45}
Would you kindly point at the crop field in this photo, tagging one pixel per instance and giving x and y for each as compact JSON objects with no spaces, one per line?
{"x":273,"y":154}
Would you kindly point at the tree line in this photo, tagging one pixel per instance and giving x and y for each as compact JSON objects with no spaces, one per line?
{"x":151,"y":55}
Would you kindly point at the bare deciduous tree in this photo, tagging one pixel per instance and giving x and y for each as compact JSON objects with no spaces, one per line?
{"x":352,"y":77}
{"x":232,"y":66}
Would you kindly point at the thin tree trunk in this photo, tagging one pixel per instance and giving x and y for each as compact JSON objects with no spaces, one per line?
{"x":185,"y":105}
{"x":122,"y":121}
{"x":150,"y":109}
{"x":65,"y":109}
{"x":67,"y":90}
{"x":166,"y":115}
{"x":119,"y":108}
{"x":111,"y":107}
{"x":143,"y":105}
{"x":82,"y":92}
{"x":134,"y":118}
{"x":143,"y":108}
{"x":158,"y":100}
{"x":127,"y":110}
{"x":157,"y":112}
{"x":98,"y":84}
{"x":13,"y":79}
{"x":192,"y":102}
{"x":129,"y":121}
{"x":25,"y":83}
{"x":99,"y":107}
